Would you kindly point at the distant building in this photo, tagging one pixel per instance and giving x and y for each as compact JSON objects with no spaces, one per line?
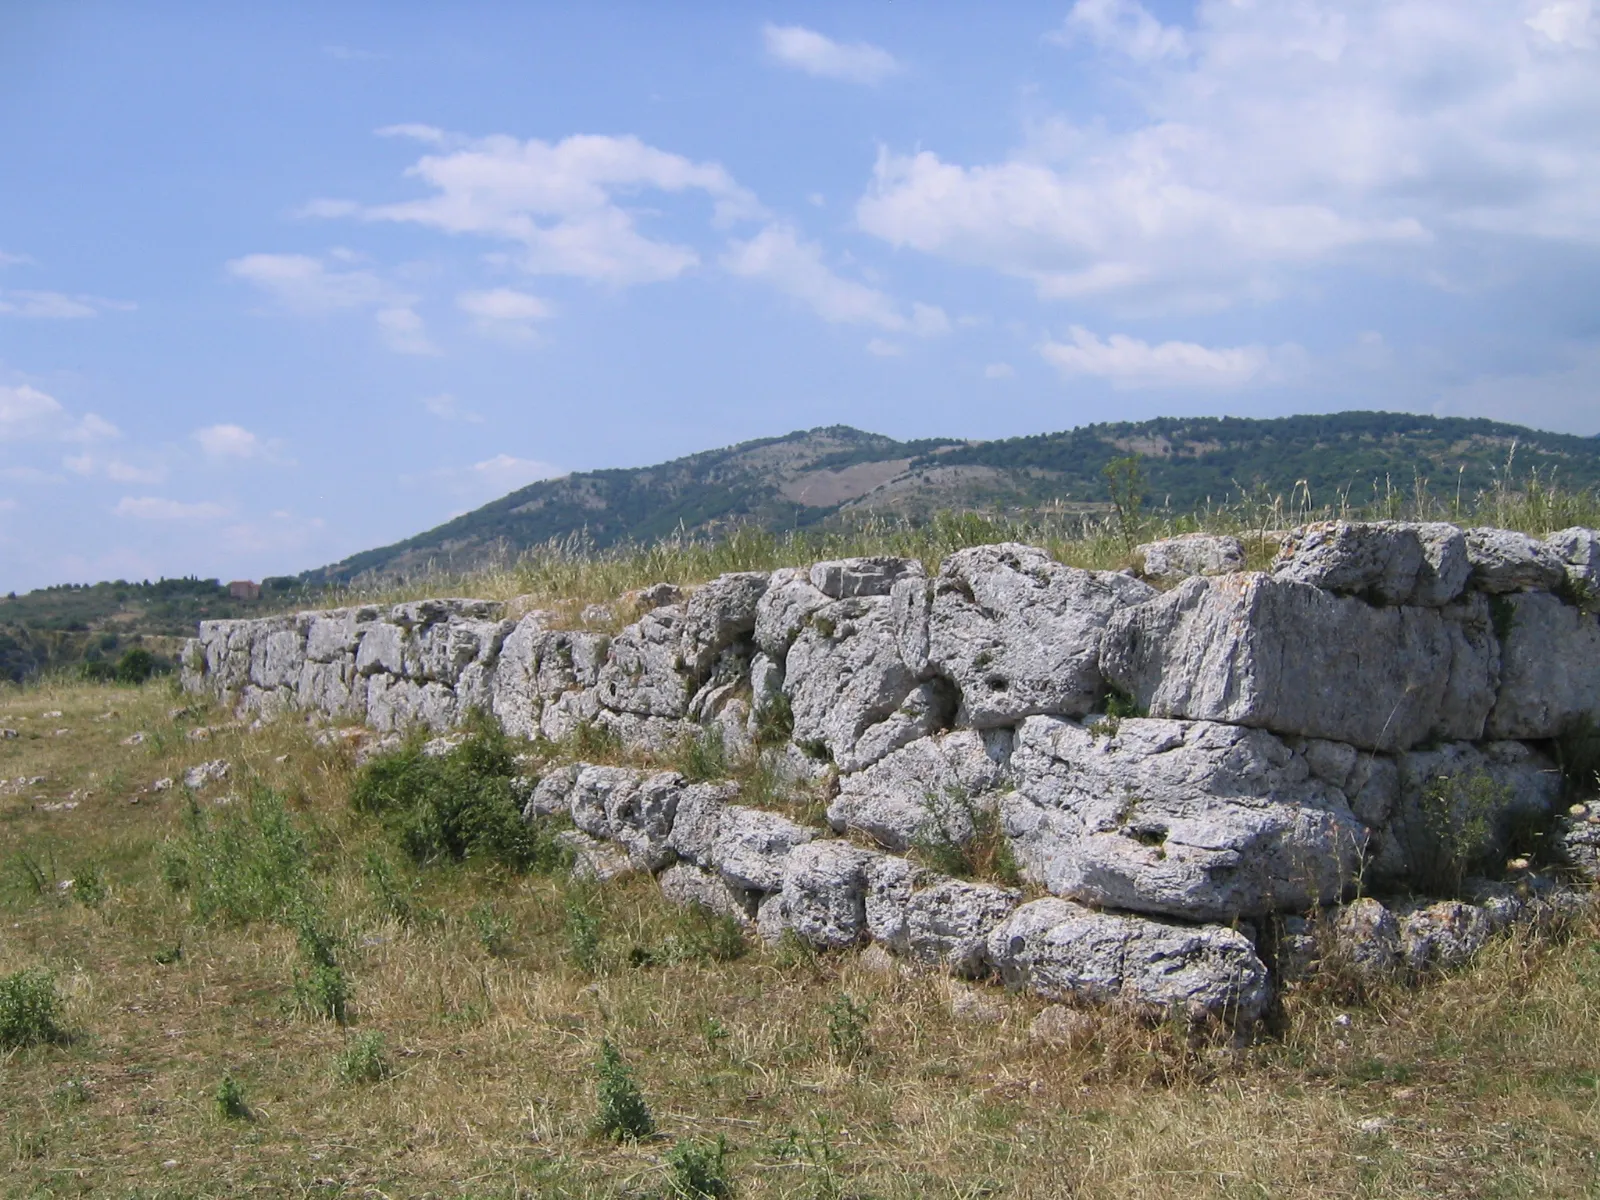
{"x":244,"y":589}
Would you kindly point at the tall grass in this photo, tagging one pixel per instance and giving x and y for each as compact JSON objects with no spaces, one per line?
{"x":569,"y":573}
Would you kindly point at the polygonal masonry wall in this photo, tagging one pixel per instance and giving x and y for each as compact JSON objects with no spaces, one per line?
{"x":1312,"y":732}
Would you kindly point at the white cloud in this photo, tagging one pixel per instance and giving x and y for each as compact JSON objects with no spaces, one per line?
{"x":114,"y":469}
{"x":46,"y":305}
{"x":1124,"y":26}
{"x":999,"y":370}
{"x":489,"y":479}
{"x":27,"y":414}
{"x":1130,"y":363}
{"x":13,"y":260}
{"x":885,"y":349}
{"x":447,"y":408}
{"x":505,"y":312}
{"x":29,"y":475}
{"x":1274,"y":139}
{"x":559,"y":202}
{"x":155,"y":508}
{"x":778,"y":256}
{"x":811,"y":52}
{"x":305,"y":285}
{"x":229,"y":441}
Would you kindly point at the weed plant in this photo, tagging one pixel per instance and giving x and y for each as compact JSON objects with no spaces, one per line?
{"x":363,"y":1059}
{"x":1448,"y":832}
{"x":493,"y":929}
{"x":702,"y":756}
{"x":847,"y":1029}
{"x":623,"y":1114}
{"x":30,"y":1009}
{"x":960,"y":837}
{"x":230,"y":1101}
{"x":698,"y":1170}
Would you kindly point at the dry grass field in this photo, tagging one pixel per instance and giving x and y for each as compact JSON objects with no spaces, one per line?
{"x":187,"y":1057}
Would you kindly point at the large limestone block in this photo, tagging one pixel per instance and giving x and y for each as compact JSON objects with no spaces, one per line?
{"x":1249,"y":649}
{"x":1549,"y":667}
{"x":333,"y":688}
{"x":843,"y":578}
{"x":1019,"y":633}
{"x":537,"y":668}
{"x":634,"y":808}
{"x":686,"y":884}
{"x":1579,"y":552}
{"x":560,"y":718}
{"x":699,"y":819}
{"x":783,"y":609}
{"x":398,"y":705}
{"x":277,"y":652}
{"x":1504,"y":560}
{"x":1376,"y":560}
{"x":446,"y":650}
{"x":825,"y":892}
{"x":643,"y":673}
{"x":752,"y":847}
{"x":718,"y":615}
{"x":852,"y":695}
{"x":1187,"y":819}
{"x":226,"y":645}
{"x":335,"y":635}
{"x":387,"y":649}
{"x":1175,"y":558}
{"x":924,"y":789}
{"x":933,"y":919}
{"x":1063,"y":951}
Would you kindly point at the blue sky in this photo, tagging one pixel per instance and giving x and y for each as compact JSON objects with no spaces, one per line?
{"x":279,"y":283}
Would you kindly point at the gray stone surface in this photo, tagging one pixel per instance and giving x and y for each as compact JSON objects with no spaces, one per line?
{"x":1239,"y":649}
{"x":752,"y":847}
{"x":1504,"y":560}
{"x":1442,"y":935}
{"x":843,"y":578}
{"x":593,"y":859}
{"x":1019,"y":633}
{"x":933,"y":919}
{"x":1175,"y":558}
{"x":1190,"y":819}
{"x":849,"y":689}
{"x":631,"y":807}
{"x":1577,"y":840}
{"x":1064,"y":951}
{"x":824,"y":892}
{"x":553,"y":793}
{"x":1579,"y":552}
{"x":698,"y":819}
{"x":1378,"y":560}
{"x":926,"y":788}
{"x":643,"y":672}
{"x":1367,"y":939}
{"x":1549,"y":667}
{"x":684,"y":883}
{"x":718,"y":615}
{"x":783,"y":609}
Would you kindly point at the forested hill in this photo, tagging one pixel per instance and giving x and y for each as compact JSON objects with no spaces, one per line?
{"x":818,"y":475}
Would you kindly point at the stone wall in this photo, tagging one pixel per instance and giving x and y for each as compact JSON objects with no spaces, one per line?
{"x":1304,"y":735}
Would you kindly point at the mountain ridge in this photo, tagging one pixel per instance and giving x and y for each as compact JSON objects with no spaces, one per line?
{"x":835,"y":473}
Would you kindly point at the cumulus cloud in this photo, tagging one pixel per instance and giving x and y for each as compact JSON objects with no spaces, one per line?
{"x":229,"y":441}
{"x":1124,"y":26}
{"x":308,"y":286}
{"x":505,"y":312}
{"x":447,"y":408}
{"x":559,"y":202}
{"x":999,"y":370}
{"x":779,"y":257}
{"x":115,"y":469}
{"x":156,"y":508}
{"x":1273,"y":139}
{"x":27,"y":414}
{"x":55,"y":306}
{"x":490,"y":478}
{"x":809,"y":51}
{"x":1127,"y":362}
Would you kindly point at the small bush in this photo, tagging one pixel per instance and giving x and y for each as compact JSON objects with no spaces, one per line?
{"x":1449,"y":832}
{"x":847,"y":1029}
{"x":701,"y":936}
{"x":89,"y":886}
{"x":698,"y":1169}
{"x":323,"y":992}
{"x":242,"y":864}
{"x":230,"y":1100}
{"x":702,"y":756}
{"x":961,"y":838}
{"x":623,"y":1113}
{"x":363,"y":1059}
{"x":135,"y":666}
{"x":493,"y":929}
{"x":775,"y":721}
{"x":458,"y":805}
{"x":29,"y":1009}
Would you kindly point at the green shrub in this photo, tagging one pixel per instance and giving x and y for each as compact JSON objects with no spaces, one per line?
{"x":493,"y":929}
{"x":323,"y":992}
{"x":457,"y":805}
{"x":775,"y":721}
{"x":1449,"y":831}
{"x":230,"y":1100}
{"x":847,"y":1028}
{"x":698,"y":1169}
{"x":89,"y":886}
{"x":581,"y":931}
{"x":623,"y":1113}
{"x":242,"y":863}
{"x":29,"y":1009}
{"x":363,"y":1059}
{"x":135,"y":666}
{"x":961,"y":838}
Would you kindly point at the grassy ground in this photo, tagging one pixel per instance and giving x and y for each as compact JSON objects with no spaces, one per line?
{"x":824,"y":1077}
